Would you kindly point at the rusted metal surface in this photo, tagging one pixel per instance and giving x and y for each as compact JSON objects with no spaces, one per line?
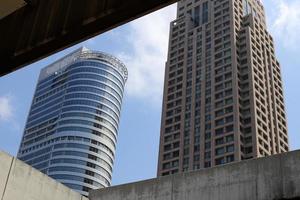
{"x":9,"y":6}
{"x":43,"y":27}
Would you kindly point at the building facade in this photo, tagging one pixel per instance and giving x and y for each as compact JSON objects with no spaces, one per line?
{"x":72,"y":127}
{"x":223,"y":95}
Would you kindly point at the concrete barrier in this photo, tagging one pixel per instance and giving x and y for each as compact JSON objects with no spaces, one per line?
{"x":271,"y":178}
{"x":19,"y":181}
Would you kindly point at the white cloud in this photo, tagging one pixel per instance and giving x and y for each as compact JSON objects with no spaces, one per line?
{"x":6,"y":108}
{"x":286,"y":22}
{"x":148,"y":38}
{"x":7,"y":114}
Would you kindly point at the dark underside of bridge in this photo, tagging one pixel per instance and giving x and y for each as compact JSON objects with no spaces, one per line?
{"x":43,"y":27}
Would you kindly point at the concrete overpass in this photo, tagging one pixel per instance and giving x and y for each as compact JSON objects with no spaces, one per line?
{"x":33,"y":29}
{"x":271,"y":178}
{"x":19,"y":181}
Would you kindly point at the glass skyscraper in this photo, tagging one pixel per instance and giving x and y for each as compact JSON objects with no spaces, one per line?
{"x":72,"y":127}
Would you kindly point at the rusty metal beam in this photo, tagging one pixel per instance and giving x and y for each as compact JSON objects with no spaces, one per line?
{"x":44,"y":27}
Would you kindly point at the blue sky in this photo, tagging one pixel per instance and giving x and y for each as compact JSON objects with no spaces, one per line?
{"x":142,"y":46}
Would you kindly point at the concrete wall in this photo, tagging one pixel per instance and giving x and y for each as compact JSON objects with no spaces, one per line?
{"x":19,"y":181}
{"x":276,"y":177}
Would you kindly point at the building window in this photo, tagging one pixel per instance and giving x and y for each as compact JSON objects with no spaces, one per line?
{"x":230,"y":158}
{"x":220,"y":151}
{"x":196,"y":158}
{"x":186,"y":151}
{"x":186,"y":161}
{"x":207,"y":155}
{"x":196,"y":15}
{"x":207,"y":164}
{"x":207,"y":145}
{"x":207,"y":136}
{"x":205,"y":13}
{"x":229,"y":138}
{"x":219,"y":141}
{"x":220,"y":161}
{"x":219,"y":131}
{"x":230,"y":148}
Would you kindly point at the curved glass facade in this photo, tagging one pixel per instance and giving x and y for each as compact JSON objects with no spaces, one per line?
{"x":72,"y":127}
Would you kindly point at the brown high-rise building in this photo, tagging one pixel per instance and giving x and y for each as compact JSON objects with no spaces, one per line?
{"x":223,"y":97}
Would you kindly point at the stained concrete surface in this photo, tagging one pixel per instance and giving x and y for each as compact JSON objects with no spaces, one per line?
{"x":271,"y":178}
{"x":19,"y":181}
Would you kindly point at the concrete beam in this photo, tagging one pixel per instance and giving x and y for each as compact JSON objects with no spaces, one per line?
{"x":19,"y":181}
{"x":42,"y":28}
{"x":271,"y":178}
{"x":5,"y":165}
